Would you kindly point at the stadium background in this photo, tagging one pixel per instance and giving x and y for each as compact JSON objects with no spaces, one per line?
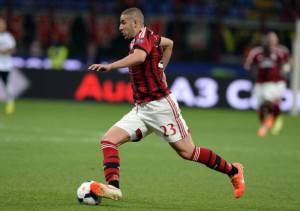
{"x":50,"y":144}
{"x":211,"y":38}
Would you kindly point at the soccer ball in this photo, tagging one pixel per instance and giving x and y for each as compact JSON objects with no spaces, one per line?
{"x":85,"y":194}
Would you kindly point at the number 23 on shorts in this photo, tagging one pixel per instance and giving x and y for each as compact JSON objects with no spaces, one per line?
{"x":169,"y":129}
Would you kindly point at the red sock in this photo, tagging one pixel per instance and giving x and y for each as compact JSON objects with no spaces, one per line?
{"x":111,"y":162}
{"x":212,"y":160}
{"x":260,"y":115}
{"x":263,"y":111}
{"x":276,"y":109}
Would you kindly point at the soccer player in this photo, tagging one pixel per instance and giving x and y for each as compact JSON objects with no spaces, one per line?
{"x":7,"y":47}
{"x":156,"y":109}
{"x":270,"y":65}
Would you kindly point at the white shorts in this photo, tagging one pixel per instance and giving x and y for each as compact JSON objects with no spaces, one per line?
{"x":160,"y":116}
{"x":269,"y":91}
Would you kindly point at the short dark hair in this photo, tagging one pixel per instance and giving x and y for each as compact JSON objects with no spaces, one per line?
{"x":135,"y":13}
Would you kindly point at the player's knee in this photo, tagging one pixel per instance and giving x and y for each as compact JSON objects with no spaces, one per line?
{"x":107,"y":143}
{"x":104,"y":140}
{"x":107,"y":137}
{"x":185,"y":155}
{"x":112,"y":139}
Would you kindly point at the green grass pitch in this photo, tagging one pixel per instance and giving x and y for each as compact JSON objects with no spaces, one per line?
{"x":47,"y":148}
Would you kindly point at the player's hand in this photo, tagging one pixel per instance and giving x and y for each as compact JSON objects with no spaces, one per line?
{"x":100,"y":67}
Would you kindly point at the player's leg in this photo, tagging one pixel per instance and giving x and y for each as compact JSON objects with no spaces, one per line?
{"x":10,"y":104}
{"x":111,"y":163}
{"x":4,"y":77}
{"x":276,"y":111}
{"x":168,"y":122}
{"x":264,"y":109}
{"x":279,"y":89}
{"x":129,"y":128}
{"x":266,"y":118}
{"x":110,"y":142}
{"x":261,"y":108}
{"x":278,"y":122}
{"x":187,"y":150}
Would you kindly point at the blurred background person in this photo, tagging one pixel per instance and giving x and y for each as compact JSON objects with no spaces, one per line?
{"x":7,"y":48}
{"x":57,"y":53}
{"x":269,"y":64}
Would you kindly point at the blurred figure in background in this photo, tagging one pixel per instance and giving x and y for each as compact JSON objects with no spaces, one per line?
{"x":269,"y":64}
{"x":7,"y":48}
{"x":57,"y":53}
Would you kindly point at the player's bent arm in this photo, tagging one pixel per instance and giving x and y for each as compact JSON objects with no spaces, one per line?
{"x":167,"y":45}
{"x":137,"y":57}
{"x":247,"y":64}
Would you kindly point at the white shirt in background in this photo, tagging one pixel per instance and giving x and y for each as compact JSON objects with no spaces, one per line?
{"x":7,"y":41}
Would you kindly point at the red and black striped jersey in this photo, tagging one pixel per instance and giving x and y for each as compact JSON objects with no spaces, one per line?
{"x":148,"y":79}
{"x":269,"y":66}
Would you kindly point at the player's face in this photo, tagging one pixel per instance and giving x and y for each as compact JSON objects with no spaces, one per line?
{"x":273,"y":39}
{"x":2,"y":25}
{"x":126,"y":26}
